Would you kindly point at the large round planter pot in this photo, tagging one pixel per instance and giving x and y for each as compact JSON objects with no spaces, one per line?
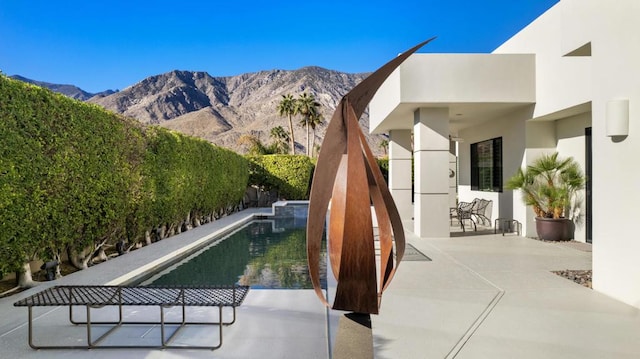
{"x":554,"y":229}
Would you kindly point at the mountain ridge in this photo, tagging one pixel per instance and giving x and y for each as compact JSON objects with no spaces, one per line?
{"x":223,"y":109}
{"x":65,"y":89}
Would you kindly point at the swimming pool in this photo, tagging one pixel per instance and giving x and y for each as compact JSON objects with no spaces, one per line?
{"x":264,"y":254}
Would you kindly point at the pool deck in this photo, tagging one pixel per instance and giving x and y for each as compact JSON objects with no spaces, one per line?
{"x":480,"y":296}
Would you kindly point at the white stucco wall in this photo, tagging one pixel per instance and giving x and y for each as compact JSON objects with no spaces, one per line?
{"x":570,"y":93}
{"x":438,"y":80}
{"x":540,"y":138}
{"x":616,"y":55}
{"x":561,"y":82}
{"x":512,"y":130}
{"x":611,"y":72}
{"x":570,"y":133}
{"x":467,"y":78}
{"x":567,"y":137}
{"x":386,"y":99}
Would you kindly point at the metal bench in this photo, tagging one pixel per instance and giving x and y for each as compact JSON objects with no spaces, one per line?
{"x":96,"y":296}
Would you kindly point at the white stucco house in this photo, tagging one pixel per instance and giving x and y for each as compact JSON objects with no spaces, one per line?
{"x":568,"y":82}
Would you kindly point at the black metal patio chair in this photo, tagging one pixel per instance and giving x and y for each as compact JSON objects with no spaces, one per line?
{"x":466,"y":211}
{"x":482,"y":212}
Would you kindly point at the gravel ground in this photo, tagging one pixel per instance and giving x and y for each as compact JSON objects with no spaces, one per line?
{"x":582,"y":277}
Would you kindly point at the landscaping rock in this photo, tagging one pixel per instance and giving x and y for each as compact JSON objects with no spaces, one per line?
{"x":582,"y":277}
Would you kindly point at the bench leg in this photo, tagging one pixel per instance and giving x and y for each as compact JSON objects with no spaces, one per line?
{"x":88,"y":346}
{"x":79,"y":322}
{"x":119,"y":322}
{"x":93,"y":344}
{"x":165,"y":343}
{"x":234,"y":316}
{"x":31,"y":329}
{"x":88,"y":326}
{"x":220,"y":326}
{"x":38,"y":347}
{"x":162,"y":327}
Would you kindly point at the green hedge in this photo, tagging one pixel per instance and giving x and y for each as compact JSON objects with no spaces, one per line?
{"x":290,"y":175}
{"x":189,"y":176}
{"x":73,"y":175}
{"x":383,"y":163}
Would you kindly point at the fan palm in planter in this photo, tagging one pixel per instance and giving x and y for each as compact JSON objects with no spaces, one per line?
{"x":549,"y":186}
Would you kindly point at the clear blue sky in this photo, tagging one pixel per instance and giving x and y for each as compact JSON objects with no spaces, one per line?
{"x":99,"y":45}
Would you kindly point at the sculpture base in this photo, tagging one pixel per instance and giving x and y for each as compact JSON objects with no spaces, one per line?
{"x":354,"y":338}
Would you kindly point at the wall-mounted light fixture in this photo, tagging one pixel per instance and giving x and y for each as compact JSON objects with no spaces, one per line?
{"x":618,"y":118}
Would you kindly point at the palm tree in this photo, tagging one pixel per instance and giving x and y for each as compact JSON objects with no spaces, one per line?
{"x":280,"y":138}
{"x":384,"y":144}
{"x":307,"y":106}
{"x":287,"y":107}
{"x":549,"y":185}
{"x":315,"y":120}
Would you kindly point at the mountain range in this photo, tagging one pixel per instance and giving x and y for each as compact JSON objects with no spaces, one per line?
{"x":67,"y":90}
{"x":222,"y":109}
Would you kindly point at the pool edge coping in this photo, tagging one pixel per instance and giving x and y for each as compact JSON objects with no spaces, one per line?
{"x":183,"y":250}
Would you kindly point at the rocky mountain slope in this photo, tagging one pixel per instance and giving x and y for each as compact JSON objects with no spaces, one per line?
{"x":67,"y":90}
{"x":221,"y":109}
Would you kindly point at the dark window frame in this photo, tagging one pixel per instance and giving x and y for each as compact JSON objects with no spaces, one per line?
{"x":486,"y":165}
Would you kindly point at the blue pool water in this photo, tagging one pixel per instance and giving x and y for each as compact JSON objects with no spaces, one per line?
{"x":263,"y":254}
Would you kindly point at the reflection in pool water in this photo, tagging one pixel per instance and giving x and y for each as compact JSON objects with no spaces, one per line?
{"x":263,"y":254}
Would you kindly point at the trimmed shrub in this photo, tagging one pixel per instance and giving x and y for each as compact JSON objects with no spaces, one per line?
{"x":289,"y":175}
{"x":383,"y":163}
{"x":189,"y":177}
{"x":75,"y":176}
{"x":70,"y":167}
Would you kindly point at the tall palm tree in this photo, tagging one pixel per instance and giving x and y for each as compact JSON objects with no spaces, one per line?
{"x":308,"y":107}
{"x":287,"y":107}
{"x":384,"y":144}
{"x":315,"y":120}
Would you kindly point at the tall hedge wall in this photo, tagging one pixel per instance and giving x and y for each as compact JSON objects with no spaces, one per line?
{"x":189,"y":176}
{"x":74,"y":175}
{"x":290,"y":175}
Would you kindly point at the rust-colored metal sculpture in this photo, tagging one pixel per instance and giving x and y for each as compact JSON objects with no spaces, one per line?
{"x":347,"y":175}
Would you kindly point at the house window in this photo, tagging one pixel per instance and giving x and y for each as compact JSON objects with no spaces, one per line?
{"x":486,"y":165}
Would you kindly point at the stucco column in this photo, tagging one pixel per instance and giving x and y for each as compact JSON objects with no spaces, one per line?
{"x":431,"y":172}
{"x":400,"y":171}
{"x":453,"y":179}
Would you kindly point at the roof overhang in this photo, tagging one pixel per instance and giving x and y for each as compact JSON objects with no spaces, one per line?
{"x":474,"y":87}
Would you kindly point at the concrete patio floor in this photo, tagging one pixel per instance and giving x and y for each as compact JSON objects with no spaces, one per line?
{"x":480,"y":296}
{"x":494,"y":296}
